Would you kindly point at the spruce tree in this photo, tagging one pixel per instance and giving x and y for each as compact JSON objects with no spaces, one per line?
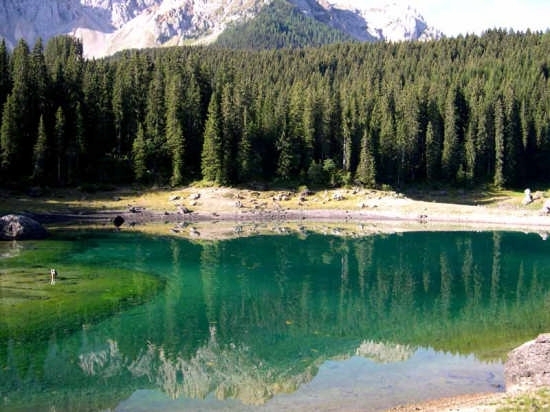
{"x":9,"y":137}
{"x":60,"y":145}
{"x":175,"y":138}
{"x":366,"y":169}
{"x":40,"y":154}
{"x":5,"y":72}
{"x":499,"y":178}
{"x":139,"y":155}
{"x":287,"y":166}
{"x":433,"y":154}
{"x":514,"y":162}
{"x":452,"y":144}
{"x":212,"y":151}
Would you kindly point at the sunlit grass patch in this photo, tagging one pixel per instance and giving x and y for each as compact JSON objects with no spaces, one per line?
{"x":538,"y":400}
{"x":30,"y":305}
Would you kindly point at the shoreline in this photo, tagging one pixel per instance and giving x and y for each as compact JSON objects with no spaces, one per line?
{"x":224,"y":213}
{"x":220,"y":225}
{"x":204,"y":205}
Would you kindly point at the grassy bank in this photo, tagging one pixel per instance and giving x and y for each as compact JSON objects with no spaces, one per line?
{"x":32,"y":309}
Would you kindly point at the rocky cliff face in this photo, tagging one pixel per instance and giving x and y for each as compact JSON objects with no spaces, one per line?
{"x":107,"y":26}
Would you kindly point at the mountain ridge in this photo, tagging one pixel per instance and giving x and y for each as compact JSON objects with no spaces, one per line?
{"x":108,"y":26}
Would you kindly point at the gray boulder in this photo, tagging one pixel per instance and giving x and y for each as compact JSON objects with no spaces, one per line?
{"x":21,"y":227}
{"x":529,"y":364}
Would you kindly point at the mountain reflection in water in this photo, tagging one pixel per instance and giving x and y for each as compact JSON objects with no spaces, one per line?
{"x":251,"y":321}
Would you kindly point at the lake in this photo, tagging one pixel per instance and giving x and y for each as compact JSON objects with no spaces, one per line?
{"x":291,"y":322}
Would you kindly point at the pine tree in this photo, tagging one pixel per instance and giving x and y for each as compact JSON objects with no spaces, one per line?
{"x":24,"y":131}
{"x":514,"y":165}
{"x":231,"y":129}
{"x":287,"y":163}
{"x":470,"y":152}
{"x":366,"y":169}
{"x":175,"y":138}
{"x":347,"y":136}
{"x":9,"y":137}
{"x":193,"y":126}
{"x":155,"y":117}
{"x":248,"y":165}
{"x":452,"y":139}
{"x":39,"y":78}
{"x":499,"y":179}
{"x":40,"y":153}
{"x":139,"y":155}
{"x":212,"y":152}
{"x":5,"y":72}
{"x":59,"y":133}
{"x":485,"y":152}
{"x":433,"y":154}
{"x":388,"y":154}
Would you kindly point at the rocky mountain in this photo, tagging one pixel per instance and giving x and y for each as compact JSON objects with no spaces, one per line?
{"x":107,"y":26}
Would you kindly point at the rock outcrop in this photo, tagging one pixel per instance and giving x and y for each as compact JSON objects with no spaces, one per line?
{"x":21,"y":227}
{"x":529,"y":364}
{"x":108,"y":26}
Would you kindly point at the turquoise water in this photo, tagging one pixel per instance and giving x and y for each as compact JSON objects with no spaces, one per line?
{"x":290,"y":323}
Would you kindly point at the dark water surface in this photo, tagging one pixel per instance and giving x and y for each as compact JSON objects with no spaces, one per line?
{"x":287,"y":323}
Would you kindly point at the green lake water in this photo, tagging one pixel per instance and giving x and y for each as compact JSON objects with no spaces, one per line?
{"x":270,"y":323}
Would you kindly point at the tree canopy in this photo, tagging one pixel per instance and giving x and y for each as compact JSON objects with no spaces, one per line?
{"x":460,"y":111}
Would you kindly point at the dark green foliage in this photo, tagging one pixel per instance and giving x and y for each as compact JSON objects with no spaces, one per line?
{"x":40,"y":153}
{"x":366,"y":170}
{"x":500,"y":141}
{"x":9,"y":138}
{"x":280,"y":24}
{"x":461,"y":111}
{"x":5,"y":72}
{"x":212,"y":151}
{"x":139,"y":155}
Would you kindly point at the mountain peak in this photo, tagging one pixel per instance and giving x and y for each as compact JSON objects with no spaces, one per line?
{"x":107,"y":26}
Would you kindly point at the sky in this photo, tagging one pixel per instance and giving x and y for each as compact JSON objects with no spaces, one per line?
{"x":454,"y":17}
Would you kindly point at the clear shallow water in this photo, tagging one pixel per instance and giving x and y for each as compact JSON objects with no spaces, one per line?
{"x":294,"y":323}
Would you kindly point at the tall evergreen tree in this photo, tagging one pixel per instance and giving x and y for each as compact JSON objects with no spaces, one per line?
{"x":231,"y":130}
{"x":287,"y":163}
{"x":384,"y":122}
{"x":193,"y":125}
{"x":39,"y":78}
{"x":139,"y":155}
{"x":25,"y":129}
{"x":9,"y":137}
{"x":212,"y":152}
{"x":175,"y":138}
{"x":5,"y":72}
{"x":433,"y":154}
{"x":59,"y":133}
{"x":499,"y":178}
{"x":155,"y":126}
{"x":514,"y":162}
{"x":451,"y":157}
{"x":366,"y":169}
{"x":248,"y":165}
{"x":470,"y":152}
{"x":40,"y":154}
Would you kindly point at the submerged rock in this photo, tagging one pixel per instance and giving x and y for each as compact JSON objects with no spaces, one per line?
{"x":529,"y":364}
{"x":21,"y":227}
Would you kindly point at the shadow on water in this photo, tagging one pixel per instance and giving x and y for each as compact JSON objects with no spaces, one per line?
{"x":239,"y":323}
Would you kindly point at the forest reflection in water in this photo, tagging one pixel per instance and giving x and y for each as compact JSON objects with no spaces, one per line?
{"x":250,"y":318}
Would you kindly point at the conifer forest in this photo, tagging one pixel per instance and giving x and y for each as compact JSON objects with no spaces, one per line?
{"x":461,"y":111}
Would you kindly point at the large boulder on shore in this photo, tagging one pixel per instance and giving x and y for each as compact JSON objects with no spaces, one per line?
{"x":21,"y":227}
{"x":529,"y":364}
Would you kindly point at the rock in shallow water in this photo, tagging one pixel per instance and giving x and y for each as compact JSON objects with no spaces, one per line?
{"x":529,"y":364}
{"x":20,"y":227}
